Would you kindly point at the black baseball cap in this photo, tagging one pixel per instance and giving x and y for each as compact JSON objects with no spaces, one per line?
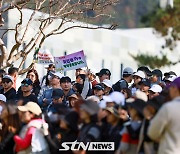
{"x":49,"y":66}
{"x":146,"y":82}
{"x":65,"y":79}
{"x":157,"y":72}
{"x":145,"y":69}
{"x":27,"y":81}
{"x":104,"y":71}
{"x":99,"y":86}
{"x":170,"y":73}
{"x":57,"y":93}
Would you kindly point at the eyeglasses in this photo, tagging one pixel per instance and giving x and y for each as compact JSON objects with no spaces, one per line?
{"x":24,"y":84}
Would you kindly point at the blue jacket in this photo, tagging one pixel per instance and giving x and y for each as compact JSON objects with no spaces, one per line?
{"x":46,"y":94}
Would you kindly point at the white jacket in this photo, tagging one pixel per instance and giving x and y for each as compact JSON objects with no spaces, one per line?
{"x":165,"y":127}
{"x":38,"y":141}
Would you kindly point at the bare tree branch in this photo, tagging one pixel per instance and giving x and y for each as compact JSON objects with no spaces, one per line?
{"x":35,"y":42}
{"x":55,"y":30}
{"x":62,"y":11}
{"x":27,"y":26}
{"x":6,"y":30}
{"x":18,"y":42}
{"x":26,"y":69}
{"x":15,"y":47}
{"x":18,"y":25}
{"x":39,"y":3}
{"x":112,"y":27}
{"x":48,"y":6}
{"x":3,"y":53}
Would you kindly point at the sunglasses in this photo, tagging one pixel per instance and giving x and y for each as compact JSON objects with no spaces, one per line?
{"x":24,"y":85}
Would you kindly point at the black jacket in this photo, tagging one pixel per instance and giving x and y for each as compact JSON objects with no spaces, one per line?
{"x":60,"y":137}
{"x":89,"y":133}
{"x":35,"y":91}
{"x":7,"y":145}
{"x":112,"y":134}
{"x":10,"y":94}
{"x":26,"y":99}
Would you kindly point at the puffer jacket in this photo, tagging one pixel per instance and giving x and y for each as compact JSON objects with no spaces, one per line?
{"x":31,"y":139}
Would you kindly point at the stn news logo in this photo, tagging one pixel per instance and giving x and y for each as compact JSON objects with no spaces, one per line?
{"x":89,"y":146}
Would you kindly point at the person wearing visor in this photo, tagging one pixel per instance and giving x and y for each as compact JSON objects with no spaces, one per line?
{"x":104,"y":74}
{"x":98,"y":90}
{"x":26,"y":87}
{"x":8,"y":90}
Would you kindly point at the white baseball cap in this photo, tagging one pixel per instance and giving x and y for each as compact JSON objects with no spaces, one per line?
{"x":102,"y":104}
{"x":2,"y":98}
{"x":93,"y":98}
{"x":156,"y":88}
{"x":8,"y":77}
{"x":141,"y":74}
{"x":116,"y":97}
{"x":141,"y":95}
{"x":171,"y":78}
{"x":58,"y":74}
{"x":107,"y":82}
{"x":32,"y":107}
